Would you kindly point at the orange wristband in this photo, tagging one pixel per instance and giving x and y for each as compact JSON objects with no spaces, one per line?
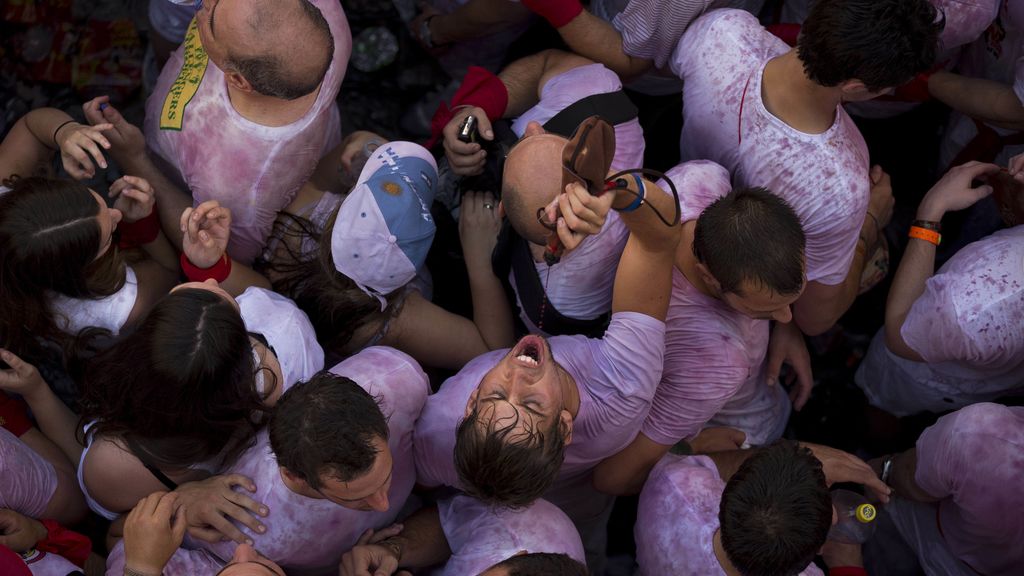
{"x":925,"y":234}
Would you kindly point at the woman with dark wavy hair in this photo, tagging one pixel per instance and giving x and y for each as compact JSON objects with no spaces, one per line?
{"x":181,"y":398}
{"x":62,"y":269}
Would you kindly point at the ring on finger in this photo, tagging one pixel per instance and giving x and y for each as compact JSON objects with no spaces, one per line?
{"x":488,"y":205}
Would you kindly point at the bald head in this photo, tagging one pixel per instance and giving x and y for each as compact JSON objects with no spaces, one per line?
{"x":283,"y":48}
{"x":532,"y":179}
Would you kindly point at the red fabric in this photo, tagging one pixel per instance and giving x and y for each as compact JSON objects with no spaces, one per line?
{"x":479,"y":88}
{"x":11,"y":563}
{"x":847,"y":571}
{"x":557,"y":12}
{"x":219,"y":271}
{"x":14,"y":415}
{"x":917,"y":89}
{"x":63,"y":542}
{"x":788,"y":33}
{"x":139,"y":233}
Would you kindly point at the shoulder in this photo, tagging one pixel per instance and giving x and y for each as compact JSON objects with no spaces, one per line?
{"x":388,"y":373}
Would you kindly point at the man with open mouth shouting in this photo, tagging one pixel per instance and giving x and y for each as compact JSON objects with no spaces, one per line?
{"x":536,"y":419}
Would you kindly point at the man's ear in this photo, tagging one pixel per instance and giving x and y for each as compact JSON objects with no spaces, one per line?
{"x":237,"y":81}
{"x":533,"y":129}
{"x":709,"y":279}
{"x":501,"y":210}
{"x":565,"y":425}
{"x":853,"y":89}
{"x":471,"y":403}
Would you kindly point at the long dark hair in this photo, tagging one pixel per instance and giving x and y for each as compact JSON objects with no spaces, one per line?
{"x":336,"y":306}
{"x":49,"y":238}
{"x":182,"y":389}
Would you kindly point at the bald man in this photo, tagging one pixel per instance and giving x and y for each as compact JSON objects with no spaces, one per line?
{"x":574,"y":295}
{"x":242,"y":112}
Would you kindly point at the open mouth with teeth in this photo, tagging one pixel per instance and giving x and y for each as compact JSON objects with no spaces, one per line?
{"x":529,"y":352}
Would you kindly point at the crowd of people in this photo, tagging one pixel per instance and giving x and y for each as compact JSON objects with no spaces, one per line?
{"x":242,"y":357}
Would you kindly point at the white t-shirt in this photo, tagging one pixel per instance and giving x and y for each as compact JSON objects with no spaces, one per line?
{"x":580,"y":285}
{"x":824,"y":177}
{"x":715,"y":357}
{"x":480,"y":535}
{"x":997,"y":55}
{"x":967,"y":325}
{"x":27,"y":481}
{"x":677,"y":518}
{"x":110,"y":312}
{"x":307,"y":536}
{"x":616,"y":375}
{"x":216,"y":153}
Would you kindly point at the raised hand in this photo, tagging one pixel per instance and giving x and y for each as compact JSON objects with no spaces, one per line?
{"x":134,"y":197}
{"x":153,"y":531}
{"x":212,"y":504}
{"x":466,"y":158}
{"x":80,"y":148}
{"x":206,"y":230}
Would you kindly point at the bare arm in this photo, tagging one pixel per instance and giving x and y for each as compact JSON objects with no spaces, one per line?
{"x":128,"y":148}
{"x":37,"y":135}
{"x":952,"y":192}
{"x":901,"y":477}
{"x":421,"y":543}
{"x":56,"y":420}
{"x":643,"y":282}
{"x":979,"y":98}
{"x":526,"y":77}
{"x":593,"y":38}
{"x":434,"y":336}
{"x":626,"y":472}
{"x":476,"y":19}
{"x":821,"y":305}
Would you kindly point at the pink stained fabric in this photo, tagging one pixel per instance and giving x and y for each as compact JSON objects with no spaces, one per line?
{"x":968,"y":325}
{"x":651,"y":28}
{"x":580,"y":285}
{"x":183,"y":562}
{"x":573,"y":85}
{"x":27,"y":481}
{"x":714,"y":355}
{"x":677,"y":518}
{"x":973,"y":459}
{"x":824,"y":177}
{"x":252,"y":169}
{"x":616,"y":375}
{"x":997,"y":55}
{"x":308,"y":536}
{"x":480,"y":536}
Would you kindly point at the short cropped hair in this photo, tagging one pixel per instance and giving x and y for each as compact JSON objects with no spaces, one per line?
{"x":882,"y":43}
{"x":270,"y":72}
{"x":542,"y":564}
{"x":326,"y":426}
{"x":506,"y":472}
{"x":776,"y":511}
{"x":751,"y":235}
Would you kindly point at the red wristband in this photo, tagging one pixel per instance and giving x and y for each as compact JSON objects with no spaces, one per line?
{"x":63,"y":542}
{"x":847,"y":571}
{"x":479,"y":88}
{"x":139,"y":233}
{"x":558,"y":13}
{"x":219,"y":271}
{"x":14,"y":415}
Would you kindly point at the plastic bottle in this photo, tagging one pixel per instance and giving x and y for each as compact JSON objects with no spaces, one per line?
{"x":856,"y":522}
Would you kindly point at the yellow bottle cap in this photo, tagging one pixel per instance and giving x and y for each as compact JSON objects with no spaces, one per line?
{"x":865,"y":513}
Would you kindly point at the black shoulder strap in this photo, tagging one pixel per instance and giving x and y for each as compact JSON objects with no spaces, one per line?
{"x":614,"y":107}
{"x":536,"y":305}
{"x":137,"y":452}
